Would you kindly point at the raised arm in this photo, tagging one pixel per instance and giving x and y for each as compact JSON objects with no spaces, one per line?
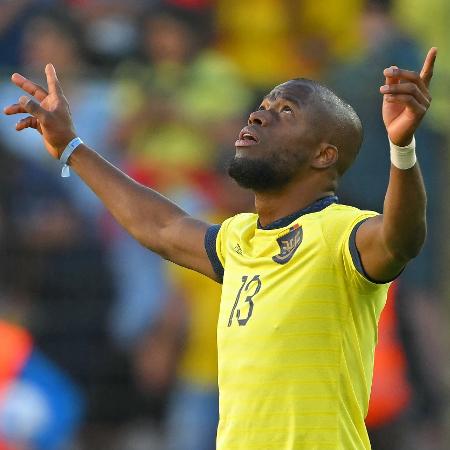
{"x":387,"y":242}
{"x":152,"y":219}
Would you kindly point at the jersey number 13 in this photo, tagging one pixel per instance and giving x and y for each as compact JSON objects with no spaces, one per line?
{"x":250,"y":289}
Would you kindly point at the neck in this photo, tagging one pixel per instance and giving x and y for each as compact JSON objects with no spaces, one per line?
{"x":276,"y":205}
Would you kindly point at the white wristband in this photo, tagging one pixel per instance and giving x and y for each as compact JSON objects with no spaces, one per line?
{"x":403,"y":157}
{"x":65,"y":155}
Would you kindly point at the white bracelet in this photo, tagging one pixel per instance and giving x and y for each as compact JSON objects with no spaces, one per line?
{"x":65,"y":155}
{"x":403,"y":157}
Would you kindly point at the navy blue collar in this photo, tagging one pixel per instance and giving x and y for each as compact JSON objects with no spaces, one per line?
{"x":318,"y":205}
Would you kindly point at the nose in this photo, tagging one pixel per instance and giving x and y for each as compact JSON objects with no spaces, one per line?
{"x":260,"y":117}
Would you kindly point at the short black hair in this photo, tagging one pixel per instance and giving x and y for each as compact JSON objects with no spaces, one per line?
{"x":335,"y":119}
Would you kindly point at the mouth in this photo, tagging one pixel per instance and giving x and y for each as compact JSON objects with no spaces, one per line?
{"x":247,"y":137}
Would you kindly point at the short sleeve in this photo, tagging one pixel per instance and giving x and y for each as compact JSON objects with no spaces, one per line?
{"x":216,"y":238}
{"x":352,"y":258}
{"x":350,"y":255}
{"x":211,"y":238}
{"x":356,"y":257}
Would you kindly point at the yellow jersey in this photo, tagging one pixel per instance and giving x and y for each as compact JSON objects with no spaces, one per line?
{"x":296,"y":332}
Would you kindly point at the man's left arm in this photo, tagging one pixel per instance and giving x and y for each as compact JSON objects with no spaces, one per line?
{"x":387,"y":242}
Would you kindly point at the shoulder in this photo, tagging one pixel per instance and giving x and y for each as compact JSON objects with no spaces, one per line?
{"x":217,"y":236}
{"x":337,"y":222}
{"x":343,"y":215}
{"x":338,"y":210}
{"x":339,"y":229}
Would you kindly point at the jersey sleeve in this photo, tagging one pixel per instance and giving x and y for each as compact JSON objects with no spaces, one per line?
{"x":342,"y":236}
{"x":356,"y":257}
{"x":351,"y":257}
{"x":215,"y":239}
{"x":211,"y":236}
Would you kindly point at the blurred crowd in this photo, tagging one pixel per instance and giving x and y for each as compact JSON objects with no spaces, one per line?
{"x":102,"y":344}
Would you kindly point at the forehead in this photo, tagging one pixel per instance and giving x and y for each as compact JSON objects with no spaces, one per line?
{"x":294,"y":91}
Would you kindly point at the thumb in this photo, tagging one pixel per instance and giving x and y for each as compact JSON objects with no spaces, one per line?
{"x":31,"y":107}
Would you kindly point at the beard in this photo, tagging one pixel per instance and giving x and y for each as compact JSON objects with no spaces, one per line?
{"x":270,"y":174}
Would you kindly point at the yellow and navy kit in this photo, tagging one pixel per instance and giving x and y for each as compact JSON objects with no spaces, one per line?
{"x":296,"y":332}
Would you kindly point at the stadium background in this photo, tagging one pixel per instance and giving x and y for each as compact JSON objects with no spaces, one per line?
{"x":104,"y":346}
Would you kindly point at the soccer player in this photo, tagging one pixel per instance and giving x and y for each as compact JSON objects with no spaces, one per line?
{"x":305,"y":278}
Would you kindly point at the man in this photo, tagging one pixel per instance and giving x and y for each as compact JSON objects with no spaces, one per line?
{"x":304,"y":279}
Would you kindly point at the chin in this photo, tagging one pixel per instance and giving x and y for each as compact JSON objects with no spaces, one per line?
{"x":257,"y":174}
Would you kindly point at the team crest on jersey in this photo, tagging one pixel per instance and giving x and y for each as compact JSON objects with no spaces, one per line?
{"x":289,"y":241}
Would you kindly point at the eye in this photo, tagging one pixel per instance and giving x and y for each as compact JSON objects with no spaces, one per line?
{"x":287,"y":109}
{"x":261,"y":108}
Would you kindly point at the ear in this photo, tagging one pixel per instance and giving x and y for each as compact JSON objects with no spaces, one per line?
{"x":326,"y":155}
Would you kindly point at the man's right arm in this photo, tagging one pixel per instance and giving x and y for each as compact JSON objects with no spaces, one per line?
{"x":152,"y":219}
{"x":148,"y":216}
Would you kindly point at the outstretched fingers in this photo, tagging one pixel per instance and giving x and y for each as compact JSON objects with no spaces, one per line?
{"x":395,"y":75}
{"x":54,"y":87}
{"x":25,"y":105}
{"x":28,"y":122}
{"x":34,"y":89}
{"x":428,"y":66}
{"x":15,"y":108}
{"x":46,"y":110}
{"x":409,"y":86}
{"x":31,"y":107}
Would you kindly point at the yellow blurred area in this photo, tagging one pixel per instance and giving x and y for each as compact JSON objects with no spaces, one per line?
{"x":198,"y":363}
{"x":273,"y":40}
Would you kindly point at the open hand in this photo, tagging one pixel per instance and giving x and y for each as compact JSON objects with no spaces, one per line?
{"x":48,"y":111}
{"x":406,"y":99}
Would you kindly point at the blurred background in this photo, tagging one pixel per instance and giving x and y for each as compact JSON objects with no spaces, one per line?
{"x":102,"y":344}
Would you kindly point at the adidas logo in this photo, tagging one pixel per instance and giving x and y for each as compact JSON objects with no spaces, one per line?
{"x":237,"y":248}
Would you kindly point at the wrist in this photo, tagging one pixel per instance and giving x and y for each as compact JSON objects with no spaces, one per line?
{"x":61,"y":144}
{"x":403,"y":157}
{"x":405,"y":142}
{"x":66,"y":154}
